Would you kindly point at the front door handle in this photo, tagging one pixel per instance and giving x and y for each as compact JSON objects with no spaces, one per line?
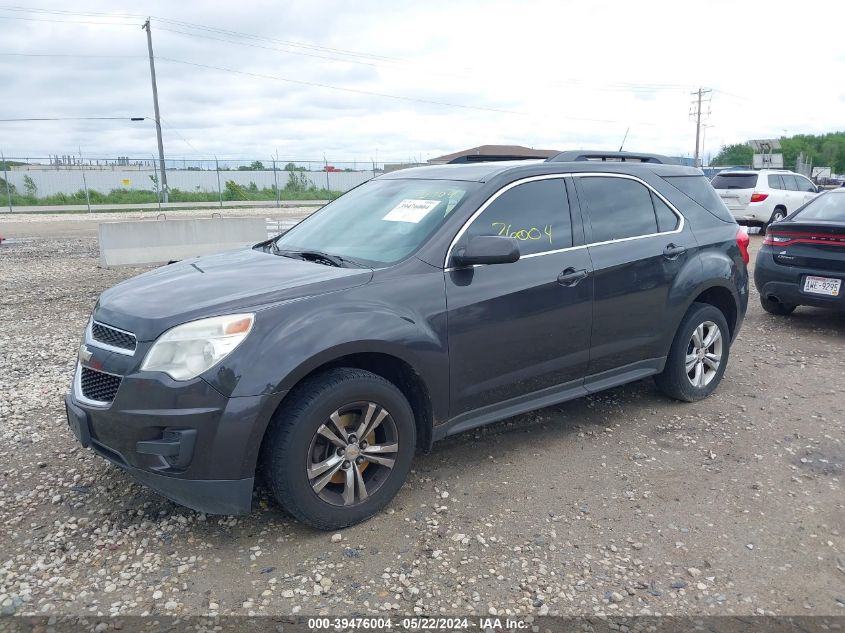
{"x":672,"y":251}
{"x":571,"y":277}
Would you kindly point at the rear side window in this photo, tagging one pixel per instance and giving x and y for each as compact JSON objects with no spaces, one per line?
{"x":535,"y":213}
{"x":790,"y":182}
{"x":618,"y":208}
{"x":775,"y":182}
{"x":700,"y":191}
{"x":734,"y":181}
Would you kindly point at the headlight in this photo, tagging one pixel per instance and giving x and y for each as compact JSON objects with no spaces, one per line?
{"x":188,"y":350}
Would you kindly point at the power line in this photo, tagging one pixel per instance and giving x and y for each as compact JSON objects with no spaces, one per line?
{"x":75,"y":118}
{"x":628,"y":87}
{"x":359,"y":57}
{"x":15,"y":17}
{"x":330,"y":87}
{"x":82,"y":55}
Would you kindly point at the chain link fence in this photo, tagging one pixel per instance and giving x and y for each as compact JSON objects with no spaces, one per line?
{"x":69,"y":182}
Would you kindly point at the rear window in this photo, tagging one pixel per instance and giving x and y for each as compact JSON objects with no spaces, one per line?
{"x":699,"y":190}
{"x":734,"y":181}
{"x":827,"y":208}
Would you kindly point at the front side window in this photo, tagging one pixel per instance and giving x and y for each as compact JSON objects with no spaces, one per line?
{"x":618,"y":208}
{"x":804,"y":184}
{"x":535,"y":213}
{"x":380,"y":222}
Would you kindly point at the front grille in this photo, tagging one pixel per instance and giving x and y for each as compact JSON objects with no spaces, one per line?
{"x":99,"y":386}
{"x":111,"y":336}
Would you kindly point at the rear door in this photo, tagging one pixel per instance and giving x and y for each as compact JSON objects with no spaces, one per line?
{"x":516,"y":329}
{"x":638,"y":244}
{"x":795,"y":197}
{"x":735,"y":189}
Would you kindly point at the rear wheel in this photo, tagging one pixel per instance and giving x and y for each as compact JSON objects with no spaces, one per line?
{"x":778,"y":215}
{"x":698,"y":356}
{"x":340,"y":448}
{"x":776,"y":307}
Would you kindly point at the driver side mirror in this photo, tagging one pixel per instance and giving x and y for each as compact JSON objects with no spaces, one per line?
{"x":487,"y":249}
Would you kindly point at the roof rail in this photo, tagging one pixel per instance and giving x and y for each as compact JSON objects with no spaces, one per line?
{"x":490,"y":158}
{"x":624,"y":157}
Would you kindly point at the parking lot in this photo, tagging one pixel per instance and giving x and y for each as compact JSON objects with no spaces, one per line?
{"x":624,"y":502}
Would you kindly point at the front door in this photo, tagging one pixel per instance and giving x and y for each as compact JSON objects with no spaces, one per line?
{"x":517,"y":329}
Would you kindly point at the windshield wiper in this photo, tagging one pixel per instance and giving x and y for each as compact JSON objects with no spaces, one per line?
{"x":318,"y":257}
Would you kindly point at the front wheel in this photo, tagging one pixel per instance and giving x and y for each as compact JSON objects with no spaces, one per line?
{"x":339,"y":448}
{"x":698,"y":356}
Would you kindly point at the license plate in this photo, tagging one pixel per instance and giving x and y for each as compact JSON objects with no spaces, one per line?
{"x":822,"y":286}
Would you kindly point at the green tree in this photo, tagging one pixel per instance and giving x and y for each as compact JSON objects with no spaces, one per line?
{"x":6,"y":187}
{"x":30,"y":187}
{"x":255,"y":165}
{"x":738,"y":154}
{"x":293,"y":167}
{"x":299,"y":183}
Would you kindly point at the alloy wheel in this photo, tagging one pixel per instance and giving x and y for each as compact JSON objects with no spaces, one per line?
{"x":352,"y":453}
{"x":704,"y":354}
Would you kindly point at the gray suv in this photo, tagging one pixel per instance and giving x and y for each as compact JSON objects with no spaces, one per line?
{"x":421,"y":304}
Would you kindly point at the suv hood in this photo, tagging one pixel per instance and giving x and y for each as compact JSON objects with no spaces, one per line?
{"x":234,"y":281}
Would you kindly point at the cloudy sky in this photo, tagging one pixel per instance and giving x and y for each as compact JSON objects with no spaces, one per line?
{"x":375,"y":80}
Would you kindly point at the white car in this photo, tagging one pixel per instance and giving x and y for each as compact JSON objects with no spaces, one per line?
{"x":763,"y":196}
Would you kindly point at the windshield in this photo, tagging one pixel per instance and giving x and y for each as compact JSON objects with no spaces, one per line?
{"x":829,"y":208}
{"x":380,"y":222}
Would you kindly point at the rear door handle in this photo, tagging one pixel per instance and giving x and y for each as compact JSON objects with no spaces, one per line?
{"x":571,"y":277}
{"x":672,"y":251}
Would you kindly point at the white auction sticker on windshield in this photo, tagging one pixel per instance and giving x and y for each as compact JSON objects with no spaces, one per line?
{"x":411,"y":210}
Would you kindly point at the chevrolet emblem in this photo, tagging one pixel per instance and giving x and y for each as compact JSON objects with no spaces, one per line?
{"x":84,"y":353}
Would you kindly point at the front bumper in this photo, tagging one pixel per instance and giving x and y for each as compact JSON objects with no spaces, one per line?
{"x":183,"y":439}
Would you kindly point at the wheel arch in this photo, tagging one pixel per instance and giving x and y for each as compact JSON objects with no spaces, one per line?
{"x":390,"y":366}
{"x":722,"y":298}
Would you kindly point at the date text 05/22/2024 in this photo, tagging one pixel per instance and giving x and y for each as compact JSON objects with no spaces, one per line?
{"x":418,"y":624}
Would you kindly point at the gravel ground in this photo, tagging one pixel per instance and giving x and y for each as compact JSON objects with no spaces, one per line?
{"x":621,"y":503}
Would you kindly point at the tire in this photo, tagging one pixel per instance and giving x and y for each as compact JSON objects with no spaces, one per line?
{"x":319,"y":471}
{"x":777,"y":215}
{"x":776,"y":307}
{"x":677,"y":380}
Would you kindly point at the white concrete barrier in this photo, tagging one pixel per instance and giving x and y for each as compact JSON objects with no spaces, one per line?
{"x":145,"y":242}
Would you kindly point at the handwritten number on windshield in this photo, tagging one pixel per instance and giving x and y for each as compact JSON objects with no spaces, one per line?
{"x":533,"y":233}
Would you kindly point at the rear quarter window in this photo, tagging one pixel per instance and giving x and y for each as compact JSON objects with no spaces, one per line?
{"x":734,"y":181}
{"x":699,"y":190}
{"x":829,"y":207}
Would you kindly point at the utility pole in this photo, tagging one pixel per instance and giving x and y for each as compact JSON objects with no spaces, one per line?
{"x":696,"y":112}
{"x":146,"y":27}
